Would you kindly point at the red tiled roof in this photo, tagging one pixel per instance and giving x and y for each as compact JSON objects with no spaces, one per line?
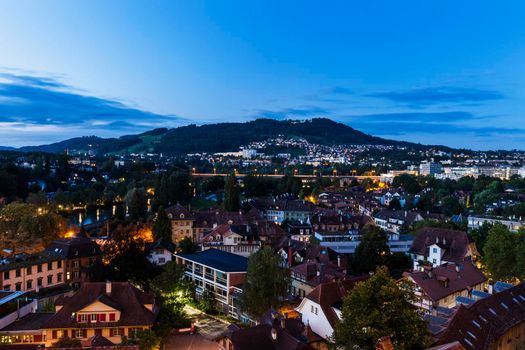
{"x":448,"y":279}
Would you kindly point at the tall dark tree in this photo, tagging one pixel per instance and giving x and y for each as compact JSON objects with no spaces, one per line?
{"x":408,"y":182}
{"x":162,"y":225}
{"x":137,"y":203}
{"x":380,"y":307}
{"x":373,"y":249}
{"x":266,"y":282}
{"x":480,"y":236}
{"x":232,"y":200}
{"x":501,"y":253}
{"x":187,"y":246}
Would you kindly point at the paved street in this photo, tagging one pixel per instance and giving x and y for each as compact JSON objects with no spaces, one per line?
{"x":207,"y":326}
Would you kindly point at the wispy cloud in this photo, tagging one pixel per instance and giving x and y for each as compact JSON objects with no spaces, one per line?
{"x":339,"y":90}
{"x":292,"y":113}
{"x":29,"y":103}
{"x":451,"y":123}
{"x":439,"y":95}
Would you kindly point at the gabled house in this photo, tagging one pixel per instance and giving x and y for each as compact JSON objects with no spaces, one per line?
{"x":321,"y":308}
{"x":494,"y":322}
{"x":271,"y":333}
{"x":237,"y":239}
{"x":299,"y":230}
{"x":160,"y":252}
{"x":109,"y":309}
{"x":440,"y":286}
{"x":439,"y":246}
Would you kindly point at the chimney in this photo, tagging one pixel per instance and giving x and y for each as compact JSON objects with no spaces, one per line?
{"x":108,"y":287}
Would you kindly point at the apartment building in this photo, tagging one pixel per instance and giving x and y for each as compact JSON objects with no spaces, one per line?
{"x":221,"y":272}
{"x":32,"y":272}
{"x":78,"y":253}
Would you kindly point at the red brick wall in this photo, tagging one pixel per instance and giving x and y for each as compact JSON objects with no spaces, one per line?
{"x":237,"y":278}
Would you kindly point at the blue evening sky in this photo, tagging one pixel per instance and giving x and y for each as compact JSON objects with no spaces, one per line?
{"x":436,"y":72}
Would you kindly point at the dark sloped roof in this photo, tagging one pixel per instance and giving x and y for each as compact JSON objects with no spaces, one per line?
{"x":124,"y":297}
{"x":219,"y":260}
{"x":467,"y":277}
{"x":260,"y":337}
{"x":455,"y":243}
{"x":316,"y":273}
{"x":407,"y":216}
{"x":479,"y":325}
{"x":176,"y":210}
{"x":32,"y":321}
{"x":74,"y":248}
{"x":161,"y":243}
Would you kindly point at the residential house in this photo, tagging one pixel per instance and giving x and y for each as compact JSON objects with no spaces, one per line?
{"x":221,"y":272}
{"x":439,"y":246}
{"x":78,"y":253}
{"x":396,"y":221}
{"x":279,"y":210}
{"x":112,"y":310}
{"x":161,"y":251}
{"x":440,"y":286}
{"x":308,"y":275}
{"x":299,"y":230}
{"x":237,"y":239}
{"x":321,"y":308}
{"x":273,"y":331}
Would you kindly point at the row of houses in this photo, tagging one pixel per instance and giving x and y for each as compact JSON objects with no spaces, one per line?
{"x":64,"y":261}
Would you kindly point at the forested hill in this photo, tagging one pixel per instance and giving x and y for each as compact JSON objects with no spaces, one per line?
{"x":221,"y":137}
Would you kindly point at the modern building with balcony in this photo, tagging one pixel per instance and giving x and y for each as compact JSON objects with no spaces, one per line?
{"x":221,"y":272}
{"x":347,"y":242}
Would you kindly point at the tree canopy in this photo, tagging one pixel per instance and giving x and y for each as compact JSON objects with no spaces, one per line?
{"x":505,"y":253}
{"x":162,"y":225}
{"x":373,"y":249}
{"x":266,"y":282}
{"x":376,"y":308}
{"x":232,"y":201}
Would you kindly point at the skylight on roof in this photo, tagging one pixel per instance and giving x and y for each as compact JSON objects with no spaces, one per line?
{"x":476,"y":324}
{"x":505,"y":306}
{"x":468,"y":342}
{"x":483,"y":319}
{"x":472,"y":335}
{"x":493,"y":312}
